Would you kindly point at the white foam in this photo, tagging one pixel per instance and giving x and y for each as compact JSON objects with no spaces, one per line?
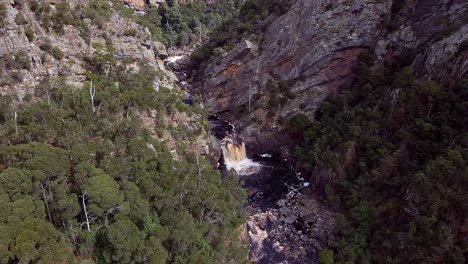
{"x":174,"y":58}
{"x":242,"y":167}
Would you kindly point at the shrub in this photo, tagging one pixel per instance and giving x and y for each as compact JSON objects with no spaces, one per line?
{"x":326,"y":257}
{"x":42,"y":12}
{"x":17,"y":76}
{"x":328,"y":6}
{"x":8,"y":61}
{"x":257,"y":96}
{"x":53,"y":51}
{"x":3,"y":14}
{"x":63,"y":16}
{"x":22,"y":61}
{"x":27,"y":97}
{"x":127,"y":61}
{"x":130,"y":32}
{"x":20,"y":19}
{"x":46,"y":46}
{"x":274,"y":101}
{"x":99,"y":11}
{"x":56,"y":53}
{"x":29,"y":32}
{"x":299,"y":122}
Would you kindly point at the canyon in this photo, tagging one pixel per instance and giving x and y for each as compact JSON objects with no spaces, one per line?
{"x":240,"y":102}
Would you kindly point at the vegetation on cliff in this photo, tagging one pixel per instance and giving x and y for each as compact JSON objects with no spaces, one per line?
{"x":77,"y":184}
{"x":397,"y":149}
{"x":177,"y":24}
{"x":249,"y":20}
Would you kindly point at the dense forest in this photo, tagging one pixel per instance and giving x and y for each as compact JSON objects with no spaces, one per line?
{"x":82,"y":180}
{"x":85,"y":183}
{"x":397,"y":149}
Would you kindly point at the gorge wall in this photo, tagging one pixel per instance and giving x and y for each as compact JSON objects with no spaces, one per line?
{"x":314,"y":49}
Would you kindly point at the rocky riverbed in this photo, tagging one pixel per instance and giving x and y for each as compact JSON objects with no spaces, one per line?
{"x":286,"y":223}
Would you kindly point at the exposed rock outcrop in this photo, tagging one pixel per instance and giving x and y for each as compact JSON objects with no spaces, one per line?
{"x":296,"y":231}
{"x":136,"y":47}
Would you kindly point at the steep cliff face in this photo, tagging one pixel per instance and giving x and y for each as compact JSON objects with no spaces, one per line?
{"x":313,"y":50}
{"x":129,"y":41}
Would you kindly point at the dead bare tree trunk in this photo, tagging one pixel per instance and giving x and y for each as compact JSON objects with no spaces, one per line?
{"x":200,"y":169}
{"x":92,"y":93}
{"x":83,"y":199}
{"x":16,"y":123}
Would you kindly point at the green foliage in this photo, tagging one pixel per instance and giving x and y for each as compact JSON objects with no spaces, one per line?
{"x":67,"y":167}
{"x":98,"y":11}
{"x":396,"y":146}
{"x":17,"y":76}
{"x":25,"y":233}
{"x":130,"y":32}
{"x":299,"y":123}
{"x":42,"y":11}
{"x":103,"y":191}
{"x":121,"y":242}
{"x":29,"y":32}
{"x":22,"y":61}
{"x":181,"y":24}
{"x":3,"y":14}
{"x":326,"y":257}
{"x":184,"y":24}
{"x":56,"y":53}
{"x":249,"y":20}
{"x":53,"y":51}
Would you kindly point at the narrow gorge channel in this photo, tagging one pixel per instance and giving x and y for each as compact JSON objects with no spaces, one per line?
{"x":285,"y":223}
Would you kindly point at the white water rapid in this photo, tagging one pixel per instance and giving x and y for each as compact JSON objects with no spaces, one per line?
{"x":235,"y":157}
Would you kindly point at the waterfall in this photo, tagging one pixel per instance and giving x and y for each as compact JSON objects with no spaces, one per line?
{"x":235,"y":152}
{"x":235,"y":157}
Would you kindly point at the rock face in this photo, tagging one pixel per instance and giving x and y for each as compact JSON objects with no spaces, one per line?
{"x":138,"y":47}
{"x":316,"y":45}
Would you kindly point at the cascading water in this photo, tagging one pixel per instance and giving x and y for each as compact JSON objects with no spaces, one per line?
{"x":235,"y":157}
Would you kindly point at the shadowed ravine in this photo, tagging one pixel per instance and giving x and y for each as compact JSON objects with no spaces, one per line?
{"x":278,"y":228}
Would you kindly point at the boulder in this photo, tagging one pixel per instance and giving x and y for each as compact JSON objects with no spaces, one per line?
{"x":159,"y":50}
{"x":290,"y":219}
